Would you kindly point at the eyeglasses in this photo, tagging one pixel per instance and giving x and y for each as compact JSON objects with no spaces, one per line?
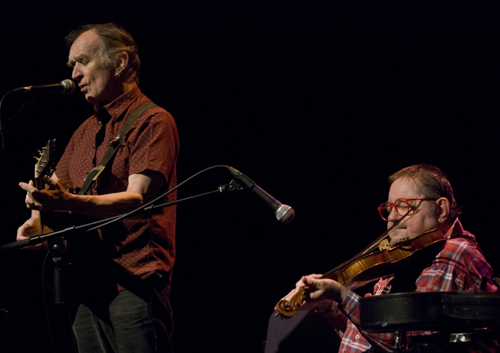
{"x":402,"y":207}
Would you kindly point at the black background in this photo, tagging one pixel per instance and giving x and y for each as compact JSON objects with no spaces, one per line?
{"x":317,"y":101}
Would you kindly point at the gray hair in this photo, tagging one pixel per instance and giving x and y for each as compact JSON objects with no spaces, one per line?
{"x":115,"y":40}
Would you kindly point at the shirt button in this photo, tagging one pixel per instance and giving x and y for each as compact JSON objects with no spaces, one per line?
{"x":86,"y":172}
{"x":356,"y":337}
{"x":93,"y":146}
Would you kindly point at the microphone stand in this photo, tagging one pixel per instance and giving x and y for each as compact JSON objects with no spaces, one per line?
{"x":57,"y":250}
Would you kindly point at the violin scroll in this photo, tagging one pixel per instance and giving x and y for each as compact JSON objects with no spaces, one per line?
{"x":289,"y":308}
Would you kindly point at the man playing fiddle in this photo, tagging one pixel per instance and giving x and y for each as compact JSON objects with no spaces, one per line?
{"x":420,"y":199}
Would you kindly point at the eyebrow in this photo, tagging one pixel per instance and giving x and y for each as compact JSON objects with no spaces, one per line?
{"x":78,"y":58}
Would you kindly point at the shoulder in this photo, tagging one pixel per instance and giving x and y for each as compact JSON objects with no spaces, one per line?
{"x":157,"y":120}
{"x":158,"y":115}
{"x":458,"y":248}
{"x":465,"y":253}
{"x":153,"y":113}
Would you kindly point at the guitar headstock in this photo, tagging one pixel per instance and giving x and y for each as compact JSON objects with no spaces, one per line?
{"x":45,"y":162}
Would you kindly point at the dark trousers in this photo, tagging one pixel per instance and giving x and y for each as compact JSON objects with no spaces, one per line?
{"x":131,"y":322}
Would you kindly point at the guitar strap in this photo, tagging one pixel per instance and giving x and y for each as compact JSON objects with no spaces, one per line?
{"x":114,"y":145}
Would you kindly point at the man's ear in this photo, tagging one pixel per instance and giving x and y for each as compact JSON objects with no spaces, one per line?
{"x":121,"y":63}
{"x":442,"y":209}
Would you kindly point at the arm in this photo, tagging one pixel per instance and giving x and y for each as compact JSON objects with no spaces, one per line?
{"x":321,"y":290}
{"x":141,"y":189}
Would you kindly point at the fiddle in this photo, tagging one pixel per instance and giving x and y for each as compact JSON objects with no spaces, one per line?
{"x":371,"y":264}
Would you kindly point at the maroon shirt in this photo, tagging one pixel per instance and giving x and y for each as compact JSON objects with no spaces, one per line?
{"x":143,"y":244}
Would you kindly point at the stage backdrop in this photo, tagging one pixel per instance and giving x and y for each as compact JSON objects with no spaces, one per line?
{"x":317,"y":101}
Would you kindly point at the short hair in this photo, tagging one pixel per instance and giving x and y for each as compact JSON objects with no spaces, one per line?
{"x":433,"y":183}
{"x":115,"y":40}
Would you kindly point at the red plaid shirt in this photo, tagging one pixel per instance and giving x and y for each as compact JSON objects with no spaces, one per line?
{"x":460,"y":265}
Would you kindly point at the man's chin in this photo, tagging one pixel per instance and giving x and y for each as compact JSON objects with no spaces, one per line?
{"x":398,"y":235}
{"x":92,"y":100}
{"x":89,"y":98}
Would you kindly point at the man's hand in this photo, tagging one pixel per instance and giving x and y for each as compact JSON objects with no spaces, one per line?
{"x":32,"y":227}
{"x":317,"y":289}
{"x":54,"y":198}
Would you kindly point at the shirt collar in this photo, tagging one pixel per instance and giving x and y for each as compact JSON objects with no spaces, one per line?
{"x":116,"y":108}
{"x":457,"y":230}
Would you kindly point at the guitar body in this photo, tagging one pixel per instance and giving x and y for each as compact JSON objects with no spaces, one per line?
{"x":45,"y":166}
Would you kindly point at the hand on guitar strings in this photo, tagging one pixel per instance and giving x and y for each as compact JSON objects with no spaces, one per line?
{"x":53,"y":198}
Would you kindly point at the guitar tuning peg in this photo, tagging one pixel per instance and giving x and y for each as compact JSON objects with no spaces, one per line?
{"x":37,"y":158}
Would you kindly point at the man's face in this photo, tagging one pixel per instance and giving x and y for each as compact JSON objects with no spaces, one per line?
{"x":418,"y":223}
{"x":96,"y":81}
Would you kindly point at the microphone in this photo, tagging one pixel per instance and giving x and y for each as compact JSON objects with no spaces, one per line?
{"x":65,"y":87}
{"x":284,"y":213}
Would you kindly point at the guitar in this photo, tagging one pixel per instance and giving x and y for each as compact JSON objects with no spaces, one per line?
{"x":53,"y":220}
{"x":50,"y":221}
{"x":45,"y":163}
{"x":45,"y":166}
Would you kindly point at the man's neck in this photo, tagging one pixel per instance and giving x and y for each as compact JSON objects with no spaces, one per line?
{"x":120,"y":91}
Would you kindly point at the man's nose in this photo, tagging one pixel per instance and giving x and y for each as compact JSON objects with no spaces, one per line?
{"x":393,"y":216}
{"x":76,"y":73}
